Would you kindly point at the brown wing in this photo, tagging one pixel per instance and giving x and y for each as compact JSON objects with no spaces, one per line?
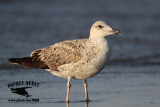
{"x":58,"y":54}
{"x":54,"y":56}
{"x":35,"y":53}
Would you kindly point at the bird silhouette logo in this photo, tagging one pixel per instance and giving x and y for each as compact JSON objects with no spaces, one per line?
{"x":21,"y":91}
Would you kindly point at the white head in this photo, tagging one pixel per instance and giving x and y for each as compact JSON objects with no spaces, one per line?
{"x":101,"y":29}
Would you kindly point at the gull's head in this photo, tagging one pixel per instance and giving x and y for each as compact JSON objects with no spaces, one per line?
{"x":101,"y":29}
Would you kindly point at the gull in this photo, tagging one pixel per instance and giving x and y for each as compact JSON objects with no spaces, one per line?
{"x":78,"y":59}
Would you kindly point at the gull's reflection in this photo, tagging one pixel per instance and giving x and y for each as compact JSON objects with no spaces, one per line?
{"x":86,"y":104}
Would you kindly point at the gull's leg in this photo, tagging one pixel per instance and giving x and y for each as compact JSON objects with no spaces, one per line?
{"x":86,"y":104}
{"x":68,"y":87}
{"x":86,"y":92}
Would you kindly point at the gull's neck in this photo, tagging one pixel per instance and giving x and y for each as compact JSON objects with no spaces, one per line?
{"x":103,"y":49}
{"x":101,"y":43}
{"x":98,"y":39}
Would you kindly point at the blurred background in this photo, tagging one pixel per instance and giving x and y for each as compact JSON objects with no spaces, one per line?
{"x":134,"y":69}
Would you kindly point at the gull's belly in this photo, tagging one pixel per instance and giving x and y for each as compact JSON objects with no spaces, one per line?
{"x":83,"y":69}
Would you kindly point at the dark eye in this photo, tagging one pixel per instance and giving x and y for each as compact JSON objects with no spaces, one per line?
{"x":100,"y":26}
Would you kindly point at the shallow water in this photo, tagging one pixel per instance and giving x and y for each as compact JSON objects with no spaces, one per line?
{"x":132,"y":78}
{"x":114,"y":86}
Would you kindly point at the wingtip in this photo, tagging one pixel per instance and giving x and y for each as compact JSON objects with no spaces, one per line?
{"x":12,"y":61}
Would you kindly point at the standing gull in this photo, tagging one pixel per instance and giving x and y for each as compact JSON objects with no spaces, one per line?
{"x":78,"y":59}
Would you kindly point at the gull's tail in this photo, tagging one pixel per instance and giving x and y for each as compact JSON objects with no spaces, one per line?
{"x":28,"y":62}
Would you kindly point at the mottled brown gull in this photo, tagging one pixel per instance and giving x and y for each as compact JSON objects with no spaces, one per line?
{"x":78,"y":59}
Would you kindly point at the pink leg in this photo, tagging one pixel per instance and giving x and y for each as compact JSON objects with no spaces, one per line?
{"x":86,"y":92}
{"x":68,"y":87}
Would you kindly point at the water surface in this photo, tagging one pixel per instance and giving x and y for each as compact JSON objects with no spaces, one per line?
{"x":132,"y":78}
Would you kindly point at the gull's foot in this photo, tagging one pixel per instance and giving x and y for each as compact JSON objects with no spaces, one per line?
{"x":87,"y":100}
{"x":67,"y":101}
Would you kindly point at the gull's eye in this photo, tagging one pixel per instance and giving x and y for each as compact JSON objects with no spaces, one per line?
{"x":100,"y":26}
